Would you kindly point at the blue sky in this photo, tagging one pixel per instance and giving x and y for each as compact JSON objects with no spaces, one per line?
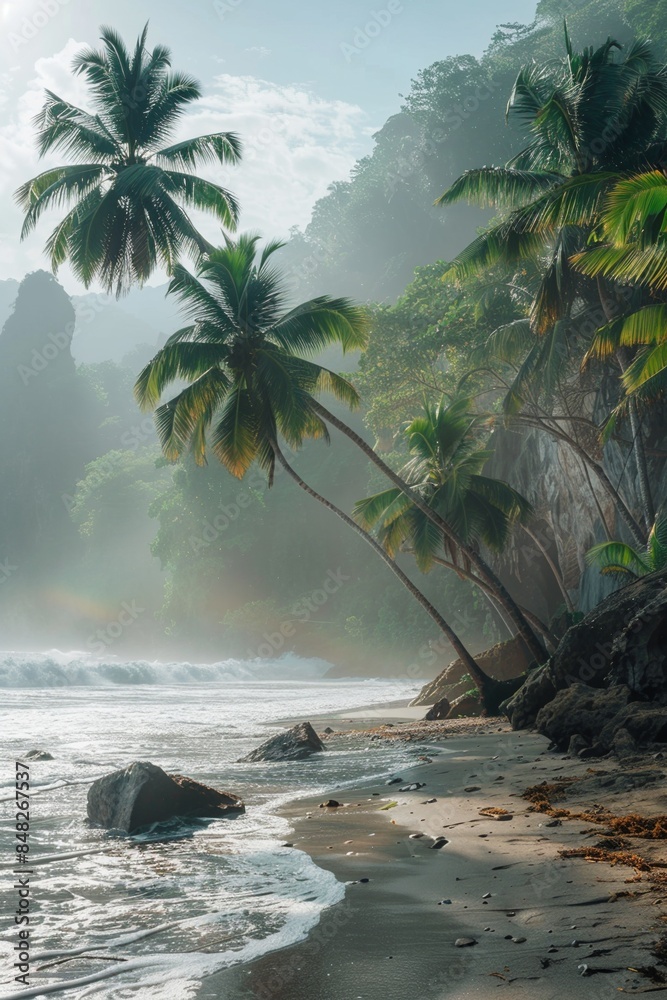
{"x":305,"y":83}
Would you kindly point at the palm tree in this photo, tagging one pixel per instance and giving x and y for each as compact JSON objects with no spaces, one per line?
{"x":633,"y":249}
{"x":446,"y":471}
{"x":249,"y":383}
{"x":130,"y":191}
{"x":628,"y":563}
{"x":591,"y":119}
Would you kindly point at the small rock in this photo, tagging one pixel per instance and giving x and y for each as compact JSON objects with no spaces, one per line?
{"x":38,"y":755}
{"x":428,"y":802}
{"x":469,"y":788}
{"x":414,"y":787}
{"x":328,"y":730}
{"x":438,"y":843}
{"x":416,"y":836}
{"x":518,"y":940}
{"x":597,"y":750}
{"x":364,"y":880}
{"x":394,"y":781}
{"x":330,"y":804}
{"x":464,"y":942}
{"x":554,"y":822}
{"x":487,"y":895}
{"x":445,"y":902}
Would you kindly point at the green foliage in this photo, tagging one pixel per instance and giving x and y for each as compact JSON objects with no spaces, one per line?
{"x":622,"y":561}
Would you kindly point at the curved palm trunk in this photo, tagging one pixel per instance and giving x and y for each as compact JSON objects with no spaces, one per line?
{"x":482,"y":681}
{"x":531,"y":641}
{"x":552,"y":566}
{"x":535,"y":622}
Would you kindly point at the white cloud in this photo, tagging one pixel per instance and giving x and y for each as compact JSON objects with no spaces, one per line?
{"x":296,"y":144}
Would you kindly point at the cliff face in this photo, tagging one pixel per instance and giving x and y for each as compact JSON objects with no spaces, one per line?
{"x":46,"y":428}
{"x":572,"y":508}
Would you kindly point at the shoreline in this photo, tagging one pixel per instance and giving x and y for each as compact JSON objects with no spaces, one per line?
{"x":547,"y":921}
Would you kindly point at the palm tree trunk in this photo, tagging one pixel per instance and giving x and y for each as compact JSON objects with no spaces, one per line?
{"x":482,"y":681}
{"x":535,"y":622}
{"x":531,"y":641}
{"x":552,"y":566}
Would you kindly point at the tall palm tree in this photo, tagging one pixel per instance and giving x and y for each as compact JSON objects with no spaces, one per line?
{"x":591,"y":118}
{"x":131,"y":191}
{"x":249,"y":383}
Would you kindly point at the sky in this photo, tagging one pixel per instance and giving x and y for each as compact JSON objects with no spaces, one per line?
{"x":306,"y":84}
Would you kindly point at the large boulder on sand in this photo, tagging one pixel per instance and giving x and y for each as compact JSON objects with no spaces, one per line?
{"x":580,"y":710}
{"x":606,"y":717}
{"x":143,"y":793}
{"x":297,"y":743}
{"x":503,"y":662}
{"x":621,"y":642}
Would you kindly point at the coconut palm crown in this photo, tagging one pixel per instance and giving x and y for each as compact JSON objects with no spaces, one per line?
{"x":244,"y":357}
{"x":130,"y":190}
{"x":446,"y":467}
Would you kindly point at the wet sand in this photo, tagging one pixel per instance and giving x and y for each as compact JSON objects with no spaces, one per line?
{"x":545,"y":927}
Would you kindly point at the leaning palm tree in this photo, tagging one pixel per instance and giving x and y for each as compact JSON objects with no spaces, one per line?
{"x":591,"y":118}
{"x":130,"y":192}
{"x":627,"y":563}
{"x":446,"y":470}
{"x":251,"y":384}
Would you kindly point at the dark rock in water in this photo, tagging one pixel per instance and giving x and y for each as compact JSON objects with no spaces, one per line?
{"x":438,"y":844}
{"x":328,"y":730}
{"x":330,"y":804}
{"x":38,"y":755}
{"x":394,"y":781}
{"x":414,"y":787}
{"x":620,"y":643}
{"x":294,"y":744}
{"x":464,"y":942}
{"x":143,"y":793}
{"x":439,"y":711}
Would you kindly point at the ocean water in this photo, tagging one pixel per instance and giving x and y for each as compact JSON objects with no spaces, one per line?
{"x":152,"y":915}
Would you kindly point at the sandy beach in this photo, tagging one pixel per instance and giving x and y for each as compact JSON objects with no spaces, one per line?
{"x":543,"y":925}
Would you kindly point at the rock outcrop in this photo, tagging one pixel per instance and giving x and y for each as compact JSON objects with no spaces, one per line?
{"x":143,"y":793}
{"x":503,"y":662}
{"x":295,"y":744}
{"x":622,"y":642}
